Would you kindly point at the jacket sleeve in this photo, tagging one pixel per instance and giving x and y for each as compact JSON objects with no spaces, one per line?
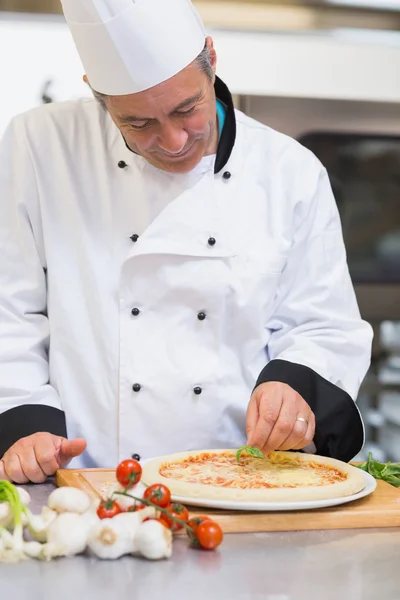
{"x":319,"y":344}
{"x":28,"y":403}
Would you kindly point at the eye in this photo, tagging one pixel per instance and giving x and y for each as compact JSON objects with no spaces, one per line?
{"x":138,"y":127}
{"x":186,"y":112}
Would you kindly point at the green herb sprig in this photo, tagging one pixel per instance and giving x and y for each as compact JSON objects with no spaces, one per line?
{"x":250,"y":450}
{"x":11,"y":545}
{"x":389,"y":472}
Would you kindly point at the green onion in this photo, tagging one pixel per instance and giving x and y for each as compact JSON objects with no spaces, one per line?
{"x":12,"y":549}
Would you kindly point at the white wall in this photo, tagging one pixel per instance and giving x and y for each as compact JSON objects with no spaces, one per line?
{"x":32,"y":51}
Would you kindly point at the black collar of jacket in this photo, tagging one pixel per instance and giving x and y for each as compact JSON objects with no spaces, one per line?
{"x":228,"y":136}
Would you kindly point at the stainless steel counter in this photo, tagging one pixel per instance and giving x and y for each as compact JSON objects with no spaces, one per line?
{"x":318,"y":565}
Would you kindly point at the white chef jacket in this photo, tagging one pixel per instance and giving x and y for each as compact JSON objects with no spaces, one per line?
{"x":274,"y":285}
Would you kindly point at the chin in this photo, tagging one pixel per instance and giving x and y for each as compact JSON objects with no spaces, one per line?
{"x":183,"y":166}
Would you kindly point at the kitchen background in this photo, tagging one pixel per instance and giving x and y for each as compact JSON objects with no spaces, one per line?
{"x":324,"y":72}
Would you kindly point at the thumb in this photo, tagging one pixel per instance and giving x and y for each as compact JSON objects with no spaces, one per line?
{"x":69,"y":449}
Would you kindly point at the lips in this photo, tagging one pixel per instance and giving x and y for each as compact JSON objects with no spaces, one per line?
{"x":180,"y":155}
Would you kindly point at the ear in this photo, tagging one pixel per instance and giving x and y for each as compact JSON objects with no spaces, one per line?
{"x":85,"y":79}
{"x":213,"y":54}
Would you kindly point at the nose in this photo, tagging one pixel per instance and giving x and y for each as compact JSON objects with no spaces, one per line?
{"x":172,"y":139}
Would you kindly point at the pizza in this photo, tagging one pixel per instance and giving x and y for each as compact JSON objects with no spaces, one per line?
{"x":278,"y":477}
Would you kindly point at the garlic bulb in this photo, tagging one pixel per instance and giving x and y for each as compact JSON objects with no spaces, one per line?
{"x":112,"y":538}
{"x":90,"y":517}
{"x":153,"y":540}
{"x":66,"y":536}
{"x":67,"y":499}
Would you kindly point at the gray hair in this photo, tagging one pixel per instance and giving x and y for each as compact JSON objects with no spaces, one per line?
{"x":202,"y":62}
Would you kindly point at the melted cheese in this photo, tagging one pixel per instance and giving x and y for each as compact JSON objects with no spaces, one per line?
{"x":223,"y":470}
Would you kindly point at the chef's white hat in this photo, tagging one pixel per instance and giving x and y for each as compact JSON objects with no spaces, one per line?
{"x":127,"y":46}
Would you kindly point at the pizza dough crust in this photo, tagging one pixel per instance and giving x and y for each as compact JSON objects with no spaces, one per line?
{"x":354,"y":483}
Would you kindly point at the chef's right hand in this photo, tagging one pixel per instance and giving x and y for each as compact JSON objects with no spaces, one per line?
{"x":37,"y":456}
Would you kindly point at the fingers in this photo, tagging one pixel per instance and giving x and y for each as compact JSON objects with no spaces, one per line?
{"x":13,"y":468}
{"x":297,"y":433}
{"x":3,"y":471}
{"x":69,"y":449}
{"x":269,"y":406}
{"x":286,"y":425}
{"x":37,"y":456}
{"x":31,"y":466}
{"x":272,"y":419}
{"x":45,"y":454}
{"x":251,"y":419}
{"x":22,"y":460}
{"x":309,"y":436}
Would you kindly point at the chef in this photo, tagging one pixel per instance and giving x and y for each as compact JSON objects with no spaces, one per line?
{"x":173,"y":274}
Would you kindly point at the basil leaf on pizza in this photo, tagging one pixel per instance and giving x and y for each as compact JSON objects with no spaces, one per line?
{"x":250,"y":450}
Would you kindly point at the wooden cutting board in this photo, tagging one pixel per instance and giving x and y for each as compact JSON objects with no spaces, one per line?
{"x":379,"y":509}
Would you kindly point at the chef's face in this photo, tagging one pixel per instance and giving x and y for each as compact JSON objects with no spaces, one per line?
{"x":172,"y":125}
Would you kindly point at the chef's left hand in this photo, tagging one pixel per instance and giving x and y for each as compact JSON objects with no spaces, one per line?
{"x":278,"y":418}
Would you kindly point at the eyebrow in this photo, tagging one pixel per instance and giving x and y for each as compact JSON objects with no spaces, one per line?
{"x":187,"y":102}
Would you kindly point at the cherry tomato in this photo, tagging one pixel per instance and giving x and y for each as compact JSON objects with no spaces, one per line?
{"x":179,"y":512}
{"x":128,"y":472}
{"x":108,"y":509}
{"x":194,"y":523}
{"x":158,"y":494}
{"x":136,"y":507}
{"x":163,"y":521}
{"x":209,"y":535}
